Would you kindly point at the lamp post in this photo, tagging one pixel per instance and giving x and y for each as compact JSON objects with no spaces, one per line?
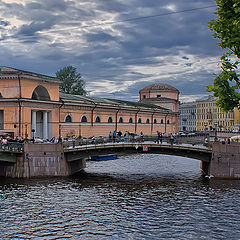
{"x":205,"y":132}
{"x":26,"y":134}
{"x":215,"y":133}
{"x":33,"y":131}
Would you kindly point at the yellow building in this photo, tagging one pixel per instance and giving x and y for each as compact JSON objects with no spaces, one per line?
{"x":31,"y":106}
{"x":209,"y":116}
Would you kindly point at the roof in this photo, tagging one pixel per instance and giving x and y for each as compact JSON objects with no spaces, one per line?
{"x":140,"y":104}
{"x":209,"y":98}
{"x":109,"y":101}
{"x":9,"y":70}
{"x":162,"y":87}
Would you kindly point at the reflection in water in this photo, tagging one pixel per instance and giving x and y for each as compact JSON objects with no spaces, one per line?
{"x":133,"y":197}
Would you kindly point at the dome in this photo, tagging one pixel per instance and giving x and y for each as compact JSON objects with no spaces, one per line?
{"x":162,"y":87}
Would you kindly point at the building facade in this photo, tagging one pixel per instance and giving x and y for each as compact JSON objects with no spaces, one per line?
{"x":187,"y":117}
{"x":31,"y":106}
{"x":210,"y":116}
{"x":162,"y":95}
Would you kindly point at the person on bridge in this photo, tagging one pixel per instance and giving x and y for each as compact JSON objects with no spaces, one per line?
{"x":110,"y":136}
{"x":126,"y":136}
{"x":114,"y":136}
{"x":119,"y":136}
{"x":159,"y":137}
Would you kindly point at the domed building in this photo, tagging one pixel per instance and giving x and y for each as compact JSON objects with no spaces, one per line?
{"x":162,"y":95}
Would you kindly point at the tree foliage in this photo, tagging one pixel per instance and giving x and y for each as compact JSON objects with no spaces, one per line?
{"x":226,"y":86}
{"x":71,"y":81}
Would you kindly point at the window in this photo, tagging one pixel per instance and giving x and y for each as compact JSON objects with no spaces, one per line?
{"x":168,"y":122}
{"x":144,"y":96}
{"x":110,"y":120}
{"x":159,"y":95}
{"x":155,"y":121}
{"x":98,"y":120}
{"x":139,"y":120}
{"x":161,"y":121}
{"x":40,"y":93}
{"x":120,"y":120}
{"x":147,"y":121}
{"x":68,"y":118}
{"x":130,"y":120}
{"x":84,"y":119}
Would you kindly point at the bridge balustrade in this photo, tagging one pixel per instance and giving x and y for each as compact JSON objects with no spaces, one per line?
{"x":135,"y":139}
{"x":12,"y":146}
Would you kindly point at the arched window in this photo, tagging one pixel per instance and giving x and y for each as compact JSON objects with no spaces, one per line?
{"x":161,"y":121}
{"x":120,"y":120}
{"x":98,"y":120}
{"x":139,"y":120}
{"x":168,"y":122}
{"x":84,"y":119}
{"x":148,"y":121}
{"x":130,"y":120}
{"x":40,"y":93}
{"x":155,"y":121}
{"x":1,"y":95}
{"x":110,"y":120}
{"x":68,"y":118}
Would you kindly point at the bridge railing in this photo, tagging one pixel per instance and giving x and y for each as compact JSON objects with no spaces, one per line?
{"x":12,"y":146}
{"x":133,"y":139}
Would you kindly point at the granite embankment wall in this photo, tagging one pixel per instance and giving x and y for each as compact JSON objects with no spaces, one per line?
{"x":225,"y":162}
{"x":39,"y":160}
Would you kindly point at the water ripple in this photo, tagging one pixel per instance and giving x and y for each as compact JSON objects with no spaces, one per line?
{"x":135,"y":197}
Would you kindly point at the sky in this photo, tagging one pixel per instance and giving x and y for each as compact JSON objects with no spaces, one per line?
{"x":118,"y":46}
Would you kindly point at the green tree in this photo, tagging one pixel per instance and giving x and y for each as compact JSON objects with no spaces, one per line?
{"x":226,"y":86}
{"x":71,"y":81}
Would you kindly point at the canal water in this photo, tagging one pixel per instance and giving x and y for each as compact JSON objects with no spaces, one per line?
{"x":134,"y":197}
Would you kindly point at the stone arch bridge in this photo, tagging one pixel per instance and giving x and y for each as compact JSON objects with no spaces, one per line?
{"x":52,"y":160}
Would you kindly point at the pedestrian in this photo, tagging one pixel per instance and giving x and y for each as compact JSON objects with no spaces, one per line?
{"x":159,"y":137}
{"x":110,"y":136}
{"x":174,"y":139}
{"x":119,"y":136}
{"x":171,"y":139}
{"x":4,"y":143}
{"x":141,"y":136}
{"x":114,"y":136}
{"x":125,"y":136}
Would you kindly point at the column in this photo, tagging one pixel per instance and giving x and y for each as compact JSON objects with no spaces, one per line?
{"x":45,"y":125}
{"x":34,"y":122}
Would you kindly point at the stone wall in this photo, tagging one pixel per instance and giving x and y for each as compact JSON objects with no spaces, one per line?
{"x":44,"y":160}
{"x":225,"y":162}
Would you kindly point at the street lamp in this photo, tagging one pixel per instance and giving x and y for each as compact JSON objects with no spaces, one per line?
{"x":215,"y":133}
{"x":33,"y":131}
{"x":205,"y":131}
{"x":26,"y":134}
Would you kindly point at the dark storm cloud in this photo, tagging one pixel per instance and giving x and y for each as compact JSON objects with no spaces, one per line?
{"x":4,"y":23}
{"x":114,"y":41}
{"x":33,"y":27}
